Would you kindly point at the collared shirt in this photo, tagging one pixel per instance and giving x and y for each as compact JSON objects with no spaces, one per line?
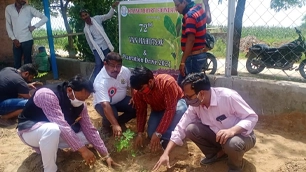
{"x":224,"y":103}
{"x":109,"y":89}
{"x":194,"y":21}
{"x":46,"y":100}
{"x":17,"y":24}
{"x":98,"y":38}
{"x":163,"y":97}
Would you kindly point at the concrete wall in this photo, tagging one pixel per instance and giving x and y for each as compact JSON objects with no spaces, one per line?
{"x":265,"y":96}
{"x":6,"y":52}
{"x":68,"y":67}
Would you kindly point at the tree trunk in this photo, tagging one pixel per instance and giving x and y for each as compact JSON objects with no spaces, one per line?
{"x":237,"y":34}
{"x":70,"y":46}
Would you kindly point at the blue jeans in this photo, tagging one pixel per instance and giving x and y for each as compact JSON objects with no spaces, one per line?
{"x":11,"y":105}
{"x":98,"y":63}
{"x":25,"y":49}
{"x":123,"y":106}
{"x":193,"y":64}
{"x":155,"y":118}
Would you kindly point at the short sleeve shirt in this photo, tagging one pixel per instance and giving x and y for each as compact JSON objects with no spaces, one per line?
{"x":109,"y":89}
{"x":11,"y":84}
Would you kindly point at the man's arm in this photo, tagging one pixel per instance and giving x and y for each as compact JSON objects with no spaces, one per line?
{"x":141,"y":112}
{"x":9,"y":25}
{"x":102,"y":18}
{"x":23,"y":90}
{"x":108,"y":112}
{"x":188,"y":47}
{"x":91,"y":133}
{"x":43,"y":18}
{"x":190,"y":32}
{"x":170,"y":102}
{"x":46,"y":100}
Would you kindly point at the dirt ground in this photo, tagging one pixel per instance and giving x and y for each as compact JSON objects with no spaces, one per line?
{"x":280,"y":147}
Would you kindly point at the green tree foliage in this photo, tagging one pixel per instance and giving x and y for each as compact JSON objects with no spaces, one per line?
{"x":278,"y":5}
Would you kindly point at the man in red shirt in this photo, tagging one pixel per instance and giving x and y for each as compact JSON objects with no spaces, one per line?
{"x":165,"y":98}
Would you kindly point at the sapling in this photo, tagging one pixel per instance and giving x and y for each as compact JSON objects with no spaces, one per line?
{"x":125,"y":142}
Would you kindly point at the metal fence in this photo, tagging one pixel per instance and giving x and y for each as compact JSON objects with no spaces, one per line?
{"x":261,"y":25}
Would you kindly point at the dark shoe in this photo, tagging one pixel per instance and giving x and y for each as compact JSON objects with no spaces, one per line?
{"x":206,"y":161}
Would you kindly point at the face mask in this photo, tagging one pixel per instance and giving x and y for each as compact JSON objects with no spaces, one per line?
{"x":76,"y":102}
{"x":194,"y":102}
{"x":146,"y":90}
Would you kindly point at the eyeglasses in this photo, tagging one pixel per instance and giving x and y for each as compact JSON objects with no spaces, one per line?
{"x":189,"y":97}
{"x":118,"y":66}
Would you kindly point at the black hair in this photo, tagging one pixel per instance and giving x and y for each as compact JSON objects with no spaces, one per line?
{"x":29,"y":68}
{"x":83,"y":11}
{"x":113,"y":56}
{"x":140,"y":76}
{"x":78,"y":83}
{"x":198,"y":81}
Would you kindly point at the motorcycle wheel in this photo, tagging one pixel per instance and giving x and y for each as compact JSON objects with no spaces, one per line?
{"x":302,"y":68}
{"x":252,"y":68}
{"x":211,"y":64}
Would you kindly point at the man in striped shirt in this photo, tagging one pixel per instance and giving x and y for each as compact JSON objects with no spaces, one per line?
{"x":56,"y":117}
{"x":164,"y":96}
{"x":193,"y":36}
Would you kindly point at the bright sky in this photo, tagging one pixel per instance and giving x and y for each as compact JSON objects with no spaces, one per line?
{"x":257,"y":13}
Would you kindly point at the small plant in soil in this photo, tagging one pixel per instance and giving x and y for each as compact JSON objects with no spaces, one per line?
{"x":125,"y":142}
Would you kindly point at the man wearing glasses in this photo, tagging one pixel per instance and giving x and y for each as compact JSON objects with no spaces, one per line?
{"x":110,"y":97}
{"x":217,"y":120}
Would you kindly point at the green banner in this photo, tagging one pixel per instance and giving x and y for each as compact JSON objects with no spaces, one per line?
{"x":149,"y":34}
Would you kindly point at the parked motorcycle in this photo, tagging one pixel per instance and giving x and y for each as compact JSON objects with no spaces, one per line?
{"x":262,"y":56}
{"x":211,"y":62}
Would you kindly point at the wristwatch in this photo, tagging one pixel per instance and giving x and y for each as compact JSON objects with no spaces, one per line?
{"x":158,"y":134}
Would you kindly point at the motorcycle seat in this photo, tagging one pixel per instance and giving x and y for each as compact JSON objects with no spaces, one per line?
{"x":271,"y":49}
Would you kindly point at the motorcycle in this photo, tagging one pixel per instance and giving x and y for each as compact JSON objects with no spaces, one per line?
{"x":211,"y":61}
{"x":261,"y":56}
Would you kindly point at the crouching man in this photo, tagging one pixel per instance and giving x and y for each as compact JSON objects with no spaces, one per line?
{"x":56,"y":117}
{"x":217,"y":120}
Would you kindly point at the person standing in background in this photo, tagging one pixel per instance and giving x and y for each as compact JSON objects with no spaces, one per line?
{"x":193,"y":38}
{"x":18,"y":26}
{"x":96,"y":37}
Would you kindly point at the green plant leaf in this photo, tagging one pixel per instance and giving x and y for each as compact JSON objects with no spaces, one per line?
{"x":169,"y":25}
{"x":178,"y":25}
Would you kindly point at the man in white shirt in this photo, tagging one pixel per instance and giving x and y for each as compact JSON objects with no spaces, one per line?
{"x":110,"y":95}
{"x":96,"y":37}
{"x":18,"y":26}
{"x":218,"y":121}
